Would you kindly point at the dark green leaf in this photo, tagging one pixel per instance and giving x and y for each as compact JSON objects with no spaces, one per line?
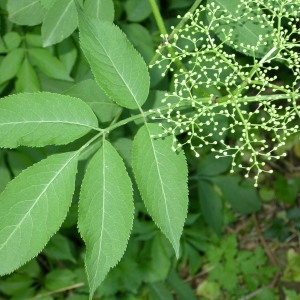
{"x":141,"y":40}
{"x":49,"y":64}
{"x":59,"y":248}
{"x":158,"y":266}
{"x":182,"y":289}
{"x":159,"y":291}
{"x":15,"y":284}
{"x":286,"y":190}
{"x":242,"y":198}
{"x":211,"y":205}
{"x":137,"y":10}
{"x":247,"y":30}
{"x":5,"y":176}
{"x":88,"y":90}
{"x":210,"y":166}
{"x":67,"y":53}
{"x":58,"y":279}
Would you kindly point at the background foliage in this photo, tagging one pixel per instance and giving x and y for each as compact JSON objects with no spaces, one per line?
{"x":236,"y":241}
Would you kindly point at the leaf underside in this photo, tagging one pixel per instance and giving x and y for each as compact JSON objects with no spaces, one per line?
{"x":40,"y":119}
{"x":161,"y":176}
{"x":118,"y":68}
{"x":32,"y":208}
{"x":105,"y":213}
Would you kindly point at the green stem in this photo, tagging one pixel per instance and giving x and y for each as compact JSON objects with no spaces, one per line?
{"x":162,"y":28}
{"x":158,"y":18}
{"x":187,"y":104}
{"x":181,"y":105}
{"x":185,"y":18}
{"x":163,"y":31}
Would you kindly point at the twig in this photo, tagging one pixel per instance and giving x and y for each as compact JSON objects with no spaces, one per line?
{"x":200,"y":274}
{"x":263,"y":242}
{"x":71,"y":287}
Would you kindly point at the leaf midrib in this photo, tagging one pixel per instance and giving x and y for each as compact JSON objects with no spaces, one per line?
{"x":58,"y":22}
{"x":103,"y":214}
{"x":162,"y":186}
{"x":23,"y":8}
{"x":47,"y":122}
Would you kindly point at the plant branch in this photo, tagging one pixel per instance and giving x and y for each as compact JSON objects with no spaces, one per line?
{"x":262,"y":240}
{"x":187,"y":104}
{"x":158,"y":18}
{"x":71,"y":287}
{"x":163,"y":30}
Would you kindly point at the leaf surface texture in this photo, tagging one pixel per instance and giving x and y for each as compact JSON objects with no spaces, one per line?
{"x":161,"y":176}
{"x":118,"y":68}
{"x":105,"y":213}
{"x":40,"y":119}
{"x":32,"y":208}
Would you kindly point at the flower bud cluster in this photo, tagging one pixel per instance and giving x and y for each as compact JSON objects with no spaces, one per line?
{"x":227,"y":93}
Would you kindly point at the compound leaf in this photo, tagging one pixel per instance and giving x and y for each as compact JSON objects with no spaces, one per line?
{"x":60,"y":21}
{"x":32,"y":208}
{"x":105,"y":213}
{"x":118,"y":68}
{"x":39,"y":119}
{"x":161,"y":176}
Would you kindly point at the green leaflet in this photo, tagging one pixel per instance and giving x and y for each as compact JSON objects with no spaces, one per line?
{"x":12,"y":40}
{"x":4,"y":171}
{"x":241,"y":197}
{"x":27,"y":78}
{"x":100,"y":9}
{"x":159,"y":291}
{"x":32,"y":208}
{"x":11,"y":64}
{"x":48,"y":64}
{"x":118,"y":68}
{"x":60,"y":21}
{"x":67,"y":53}
{"x":137,"y":10}
{"x":105,"y":213}
{"x":25,"y":12}
{"x":161,"y":176}
{"x":211,"y":205}
{"x":47,"y":3}
{"x":40,"y":119}
{"x":90,"y":92}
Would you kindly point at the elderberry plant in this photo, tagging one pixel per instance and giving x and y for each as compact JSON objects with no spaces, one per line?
{"x":246,"y":91}
{"x":223,"y":58}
